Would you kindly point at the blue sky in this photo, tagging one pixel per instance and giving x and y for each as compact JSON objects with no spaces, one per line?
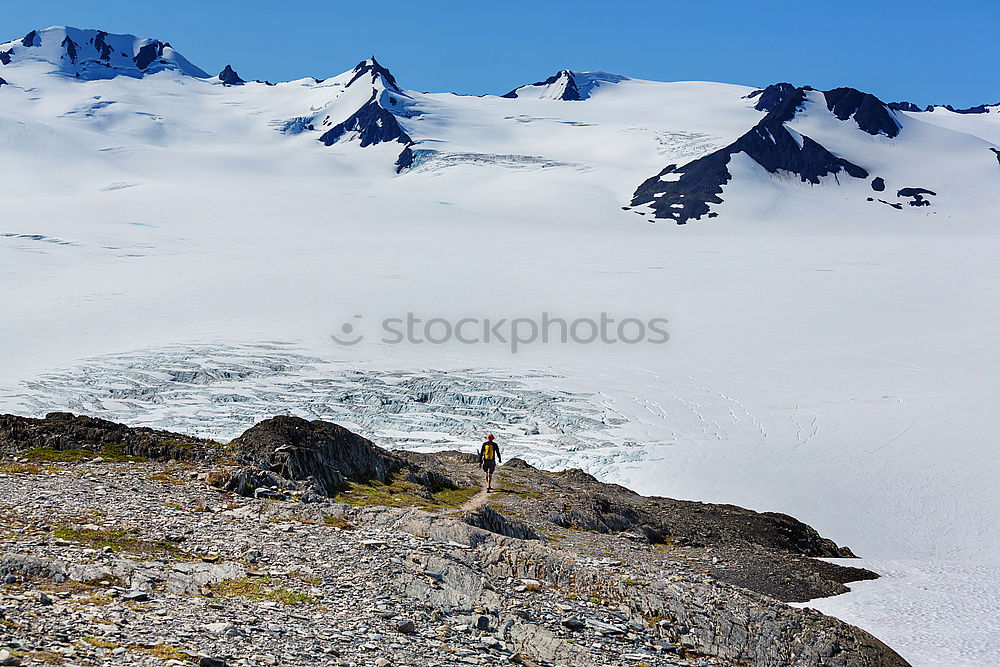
{"x":922,"y":51}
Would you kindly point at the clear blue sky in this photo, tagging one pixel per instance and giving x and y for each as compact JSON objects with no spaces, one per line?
{"x":925,"y":51}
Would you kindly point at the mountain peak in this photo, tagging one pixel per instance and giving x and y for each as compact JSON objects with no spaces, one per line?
{"x":566,"y":85}
{"x":870,"y":113}
{"x":230,"y":77}
{"x":772,"y":96}
{"x":380,"y":76}
{"x":96,"y":54}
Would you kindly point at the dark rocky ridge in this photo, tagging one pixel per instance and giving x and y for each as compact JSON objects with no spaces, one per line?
{"x":62,"y":431}
{"x":706,"y":574}
{"x":102,"y":46}
{"x":70,"y":47}
{"x":767,"y":552}
{"x":904,"y":106}
{"x":372,"y":69}
{"x":147,"y":54}
{"x":910,"y":106}
{"x":770,"y":144}
{"x":870,"y":113}
{"x":771,"y":96}
{"x":229,"y":77}
{"x":978,"y":109}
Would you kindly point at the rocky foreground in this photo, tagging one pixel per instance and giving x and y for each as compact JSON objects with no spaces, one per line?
{"x":301,"y":543}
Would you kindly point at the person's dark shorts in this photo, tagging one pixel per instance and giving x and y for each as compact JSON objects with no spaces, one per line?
{"x":489,"y":465}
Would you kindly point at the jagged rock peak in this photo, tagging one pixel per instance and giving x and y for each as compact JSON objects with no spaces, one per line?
{"x":870,"y":113}
{"x":904,"y":106}
{"x":229,"y":77}
{"x":377,"y":73}
{"x":772,"y":96}
{"x":96,"y":54}
{"x":566,"y":85}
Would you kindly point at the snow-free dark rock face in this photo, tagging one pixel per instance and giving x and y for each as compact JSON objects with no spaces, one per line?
{"x":229,"y":77}
{"x":369,"y":70}
{"x":296,"y":449}
{"x":904,"y":106}
{"x":769,"y":98}
{"x":95,"y":54}
{"x":682,"y":193}
{"x":917,"y":196}
{"x":321,"y":456}
{"x":62,"y":431}
{"x":870,"y":113}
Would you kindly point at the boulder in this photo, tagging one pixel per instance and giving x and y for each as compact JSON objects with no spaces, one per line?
{"x":320,"y":456}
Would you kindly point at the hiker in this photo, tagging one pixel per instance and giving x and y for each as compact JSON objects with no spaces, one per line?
{"x":489,"y":457}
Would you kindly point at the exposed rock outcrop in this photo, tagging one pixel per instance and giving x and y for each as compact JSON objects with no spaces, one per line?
{"x":689,"y":192}
{"x":229,"y":77}
{"x":769,"y":98}
{"x":64,"y":431}
{"x":870,"y":113}
{"x":318,"y":456}
{"x":683,"y":193}
{"x":553,"y":568}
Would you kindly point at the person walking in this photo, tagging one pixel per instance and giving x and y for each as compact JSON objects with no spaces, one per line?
{"x":489,"y":457}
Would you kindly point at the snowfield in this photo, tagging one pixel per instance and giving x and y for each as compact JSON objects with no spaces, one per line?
{"x":931,"y":613}
{"x":177,"y":253}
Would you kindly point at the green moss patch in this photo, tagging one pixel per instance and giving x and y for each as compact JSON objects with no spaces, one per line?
{"x":399,"y":492}
{"x":112,"y":453}
{"x":119,"y":540}
{"x":260,"y":588}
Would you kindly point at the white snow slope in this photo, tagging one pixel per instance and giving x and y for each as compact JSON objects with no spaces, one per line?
{"x":177,"y":252}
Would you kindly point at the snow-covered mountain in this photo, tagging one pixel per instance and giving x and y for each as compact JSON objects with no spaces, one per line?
{"x":565,"y":85}
{"x":94,"y":54}
{"x":788,"y":143}
{"x":368,"y":107}
{"x":177,"y":249}
{"x":680,"y":152}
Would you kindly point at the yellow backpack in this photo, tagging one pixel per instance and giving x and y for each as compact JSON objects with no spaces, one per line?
{"x":488,"y":450}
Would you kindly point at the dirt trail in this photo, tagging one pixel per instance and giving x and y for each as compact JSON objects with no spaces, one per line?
{"x":477,"y":501}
